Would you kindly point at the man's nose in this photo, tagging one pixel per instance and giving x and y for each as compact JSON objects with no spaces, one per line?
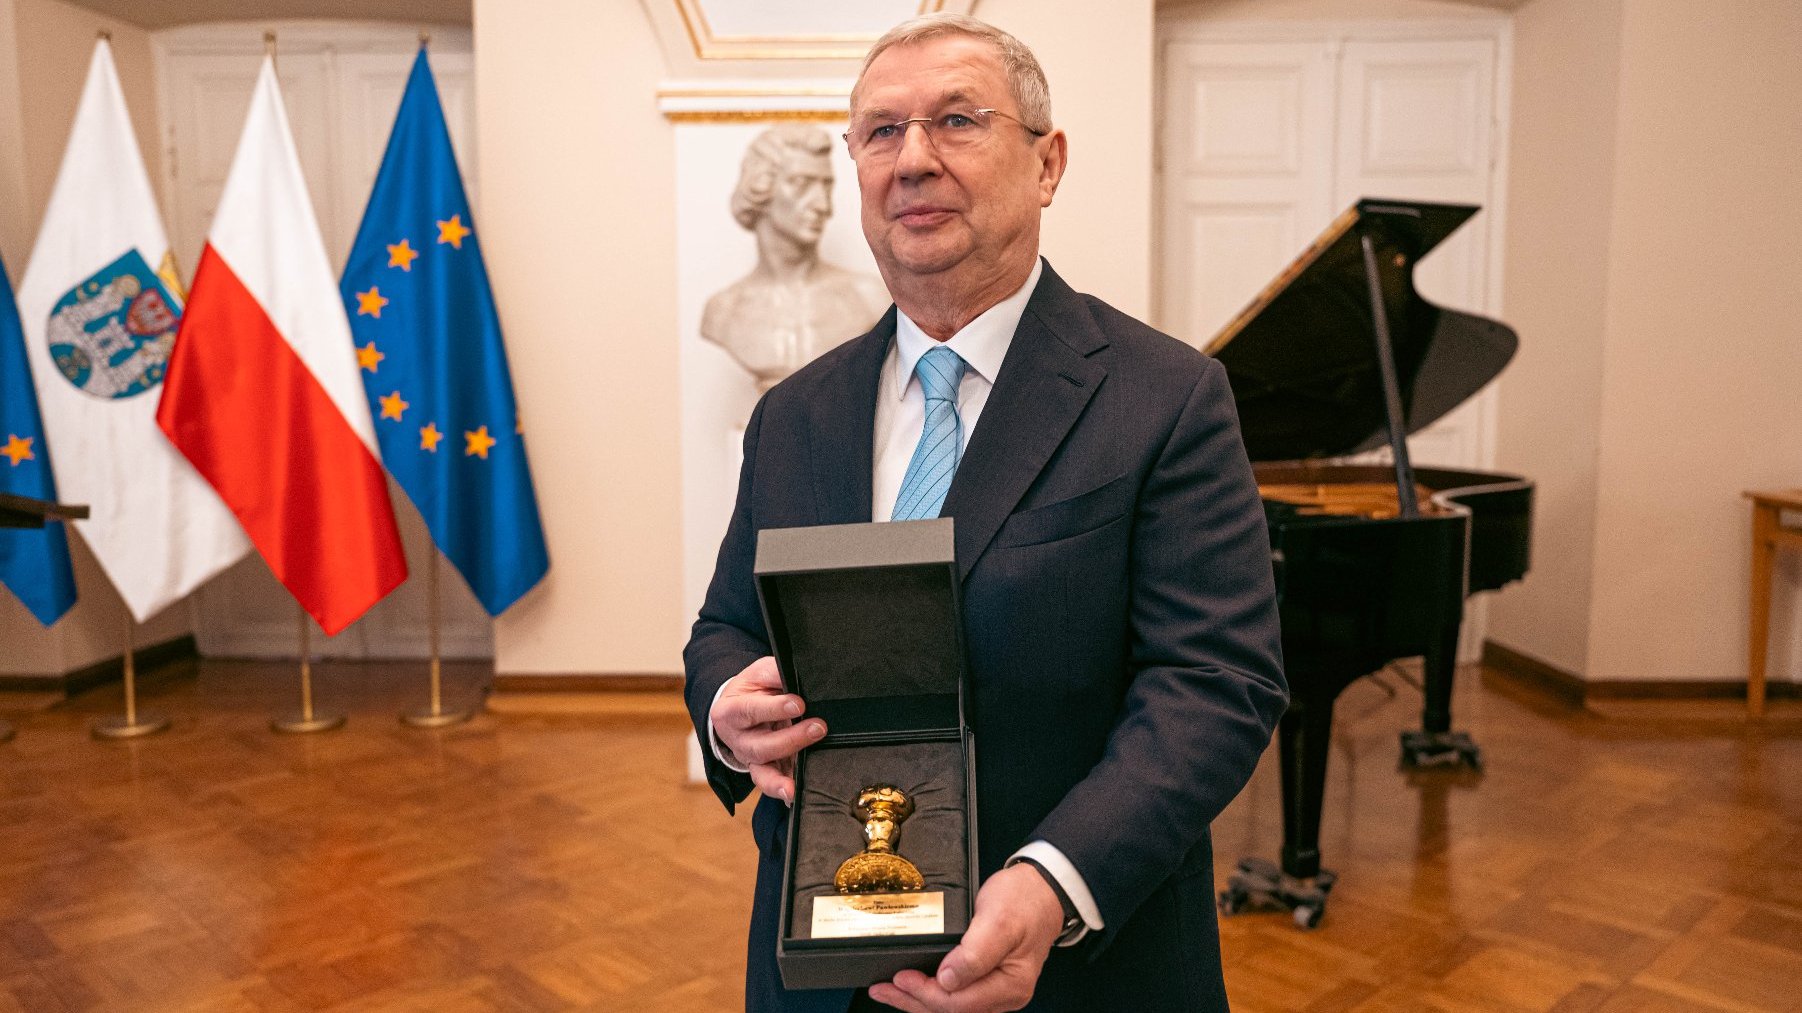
{"x":918,"y":156}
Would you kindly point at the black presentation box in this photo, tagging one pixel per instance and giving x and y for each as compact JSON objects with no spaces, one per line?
{"x":866,"y":626}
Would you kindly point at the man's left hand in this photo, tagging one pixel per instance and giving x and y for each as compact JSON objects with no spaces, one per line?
{"x":997,"y":964}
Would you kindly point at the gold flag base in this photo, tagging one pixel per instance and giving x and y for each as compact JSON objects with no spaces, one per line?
{"x":130,"y":726}
{"x":134,"y":723}
{"x":432,"y":717}
{"x":302,"y":722}
{"x":306,"y":719}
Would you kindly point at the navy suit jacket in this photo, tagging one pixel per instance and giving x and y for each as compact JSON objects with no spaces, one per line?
{"x":1120,"y":621}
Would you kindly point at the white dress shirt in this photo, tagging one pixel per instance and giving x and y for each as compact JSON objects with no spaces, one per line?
{"x":900,"y":419}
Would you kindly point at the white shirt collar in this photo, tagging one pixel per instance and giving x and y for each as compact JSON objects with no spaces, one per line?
{"x":982,"y":343}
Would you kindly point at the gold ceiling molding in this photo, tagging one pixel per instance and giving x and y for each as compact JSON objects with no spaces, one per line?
{"x":751,"y":115}
{"x":740,"y":100}
{"x":746,"y":39}
{"x":710,"y":46}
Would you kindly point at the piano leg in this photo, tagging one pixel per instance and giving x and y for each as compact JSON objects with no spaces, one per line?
{"x":1300,"y":885}
{"x":1436,"y":745}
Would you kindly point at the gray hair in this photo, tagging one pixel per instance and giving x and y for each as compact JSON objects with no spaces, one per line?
{"x":763,"y":161}
{"x":1025,"y":78}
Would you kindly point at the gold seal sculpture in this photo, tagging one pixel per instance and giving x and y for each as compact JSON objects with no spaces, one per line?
{"x":877,"y":869}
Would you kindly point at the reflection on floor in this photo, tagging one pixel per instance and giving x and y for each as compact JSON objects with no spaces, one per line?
{"x":1648,"y":861}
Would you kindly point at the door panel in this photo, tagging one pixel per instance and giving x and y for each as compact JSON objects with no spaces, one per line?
{"x":1245,"y":176}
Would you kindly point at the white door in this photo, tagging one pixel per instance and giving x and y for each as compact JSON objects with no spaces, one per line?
{"x":1267,"y":132}
{"x":1246,"y":161}
{"x":342,"y":84}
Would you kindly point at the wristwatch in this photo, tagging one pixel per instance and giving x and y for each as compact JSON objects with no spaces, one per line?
{"x":1074,"y":926}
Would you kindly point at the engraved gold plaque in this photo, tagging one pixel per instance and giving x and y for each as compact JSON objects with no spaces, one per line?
{"x":877,"y":868}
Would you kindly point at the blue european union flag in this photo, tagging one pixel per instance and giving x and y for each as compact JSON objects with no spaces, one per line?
{"x":432,"y":361}
{"x":34,"y":562}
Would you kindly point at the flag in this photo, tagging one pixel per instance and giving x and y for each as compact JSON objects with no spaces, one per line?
{"x":100,"y":304}
{"x":34,"y":562}
{"x":262,"y":391}
{"x":432,"y":360}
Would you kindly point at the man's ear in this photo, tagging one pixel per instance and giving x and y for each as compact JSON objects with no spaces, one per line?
{"x":1051,"y":166}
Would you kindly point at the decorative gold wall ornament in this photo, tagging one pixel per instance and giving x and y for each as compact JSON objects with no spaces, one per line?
{"x":795,"y":39}
{"x":752,"y":115}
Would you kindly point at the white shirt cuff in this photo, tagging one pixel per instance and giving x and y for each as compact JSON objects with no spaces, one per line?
{"x":1047,"y":855}
{"x":726,"y":756}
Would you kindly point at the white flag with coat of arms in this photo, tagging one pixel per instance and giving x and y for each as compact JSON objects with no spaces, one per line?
{"x":100,"y":304}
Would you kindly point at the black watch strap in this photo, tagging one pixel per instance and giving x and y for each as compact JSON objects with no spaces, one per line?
{"x":1072,"y":917}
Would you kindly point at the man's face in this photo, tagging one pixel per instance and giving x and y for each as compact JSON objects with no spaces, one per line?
{"x":974,"y":209}
{"x":802,"y":199}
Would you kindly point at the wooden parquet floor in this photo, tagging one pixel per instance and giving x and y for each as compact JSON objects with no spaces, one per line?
{"x":1646,"y":861}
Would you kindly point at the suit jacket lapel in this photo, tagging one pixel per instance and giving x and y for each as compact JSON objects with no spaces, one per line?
{"x":842,"y":426}
{"x":1046,"y":381}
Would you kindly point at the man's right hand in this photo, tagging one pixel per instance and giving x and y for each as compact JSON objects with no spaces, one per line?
{"x":760,"y":723}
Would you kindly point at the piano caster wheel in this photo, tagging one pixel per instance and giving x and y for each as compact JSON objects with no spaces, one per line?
{"x":1259,"y":885}
{"x":1231,"y":901}
{"x":1422,"y":750}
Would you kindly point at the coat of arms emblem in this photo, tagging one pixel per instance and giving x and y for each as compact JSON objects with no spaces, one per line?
{"x":111,"y":335}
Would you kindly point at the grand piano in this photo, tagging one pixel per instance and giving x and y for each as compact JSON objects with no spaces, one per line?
{"x":1338,"y":356}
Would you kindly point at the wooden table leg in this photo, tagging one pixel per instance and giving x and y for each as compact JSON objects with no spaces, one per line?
{"x":1765,"y":519}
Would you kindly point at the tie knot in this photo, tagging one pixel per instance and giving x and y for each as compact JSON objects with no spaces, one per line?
{"x":940,"y":371}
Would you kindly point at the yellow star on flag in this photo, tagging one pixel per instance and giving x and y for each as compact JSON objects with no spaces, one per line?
{"x":476,"y":444}
{"x":370,"y":303}
{"x":401,"y":255}
{"x":18,"y":448}
{"x":429,"y":437}
{"x":393,"y":406}
{"x":368,"y":357}
{"x":453,"y":231}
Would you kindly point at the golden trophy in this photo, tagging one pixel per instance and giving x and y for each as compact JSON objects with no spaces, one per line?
{"x":877,"y":869}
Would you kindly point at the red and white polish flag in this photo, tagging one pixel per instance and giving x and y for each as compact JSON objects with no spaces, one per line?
{"x":262,"y":392}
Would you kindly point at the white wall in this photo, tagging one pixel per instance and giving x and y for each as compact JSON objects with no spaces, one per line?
{"x":1653,"y":271}
{"x":1560,"y":209}
{"x":577,"y":173}
{"x":1702,"y":371}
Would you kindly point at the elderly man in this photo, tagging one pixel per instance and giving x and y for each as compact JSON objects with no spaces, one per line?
{"x":1118,"y":604}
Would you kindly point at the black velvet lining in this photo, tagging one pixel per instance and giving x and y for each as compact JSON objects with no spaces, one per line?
{"x":870,"y":633}
{"x":934,"y":838}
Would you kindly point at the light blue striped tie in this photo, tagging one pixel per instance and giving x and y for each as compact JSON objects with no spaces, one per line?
{"x":941,"y":439}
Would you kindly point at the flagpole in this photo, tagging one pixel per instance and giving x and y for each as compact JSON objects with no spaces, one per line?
{"x":434,"y":716}
{"x":134,"y":723}
{"x":307,"y":720}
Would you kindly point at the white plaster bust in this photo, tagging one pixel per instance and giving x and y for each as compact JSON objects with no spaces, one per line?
{"x":793,"y":305}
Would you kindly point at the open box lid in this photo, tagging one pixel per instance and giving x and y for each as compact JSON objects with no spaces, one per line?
{"x":865,"y":623}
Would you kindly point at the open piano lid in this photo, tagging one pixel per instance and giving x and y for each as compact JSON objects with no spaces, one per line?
{"x":1302,"y":356}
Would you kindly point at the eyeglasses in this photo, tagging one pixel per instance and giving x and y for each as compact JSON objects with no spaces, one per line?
{"x":948,"y":131}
